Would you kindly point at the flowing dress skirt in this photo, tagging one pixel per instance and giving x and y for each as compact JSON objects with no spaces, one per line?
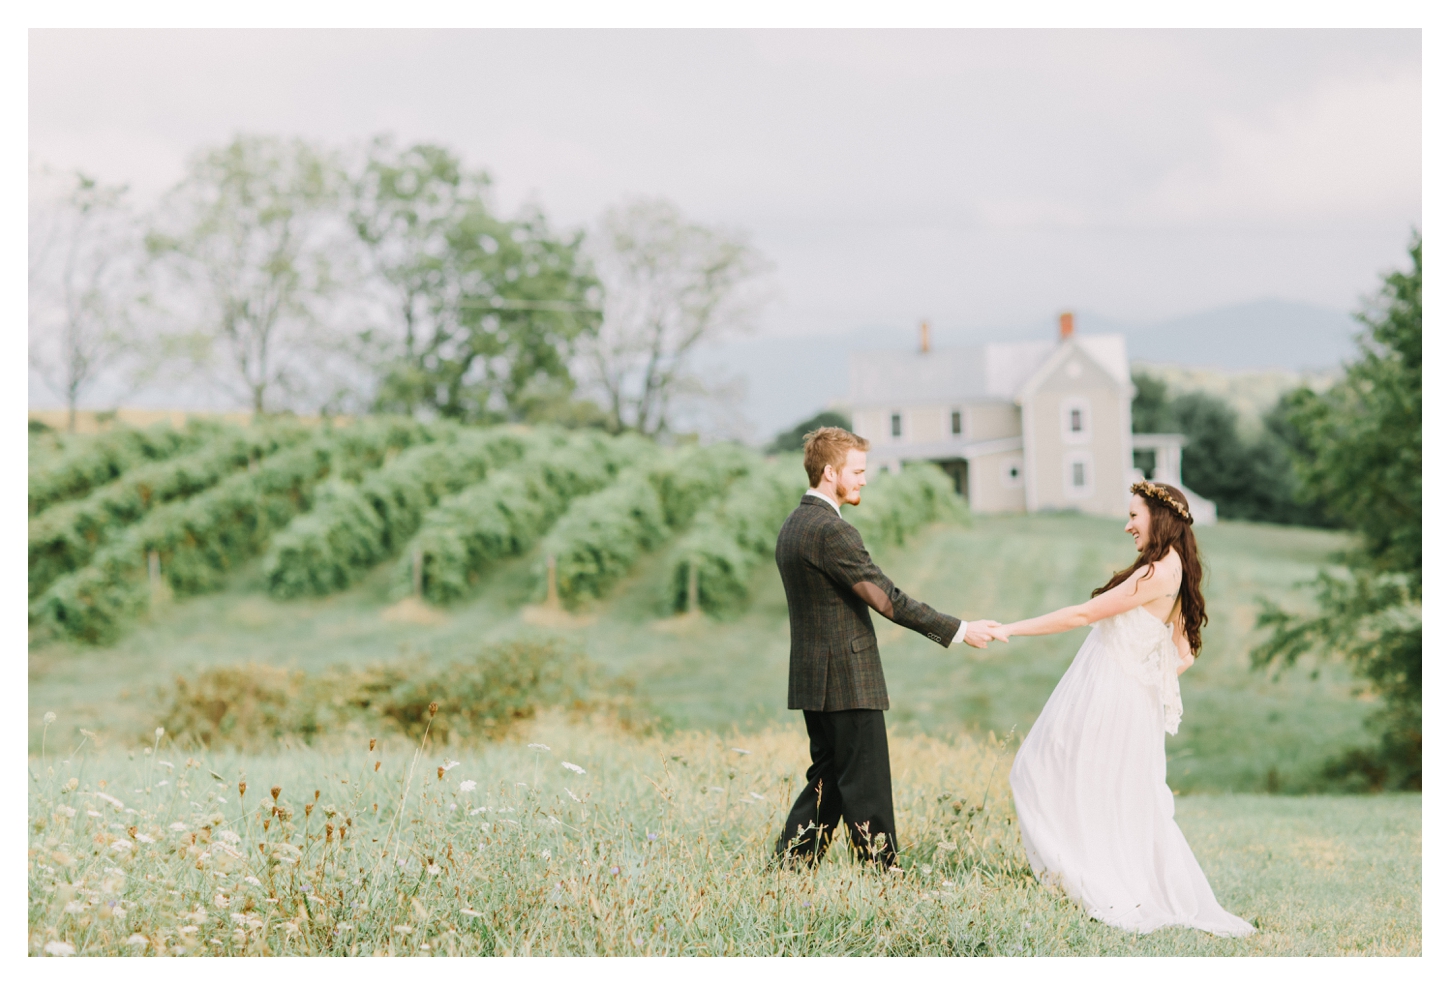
{"x":1090,"y":785}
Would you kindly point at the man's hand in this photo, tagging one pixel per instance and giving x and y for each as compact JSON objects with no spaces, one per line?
{"x":979,"y":633}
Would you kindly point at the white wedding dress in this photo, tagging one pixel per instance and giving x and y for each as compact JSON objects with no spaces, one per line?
{"x":1090,"y":784}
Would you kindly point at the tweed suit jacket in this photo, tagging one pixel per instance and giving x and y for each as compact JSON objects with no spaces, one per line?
{"x":831,"y":586}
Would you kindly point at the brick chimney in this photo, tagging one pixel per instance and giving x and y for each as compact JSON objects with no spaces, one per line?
{"x":1064,"y":325}
{"x":925,"y":336}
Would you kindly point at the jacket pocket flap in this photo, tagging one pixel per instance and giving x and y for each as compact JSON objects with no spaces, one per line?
{"x":862,"y":642}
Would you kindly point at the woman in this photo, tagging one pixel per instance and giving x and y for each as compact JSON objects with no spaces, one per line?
{"x":1090,"y":780}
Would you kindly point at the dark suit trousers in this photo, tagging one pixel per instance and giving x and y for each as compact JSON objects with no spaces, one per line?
{"x":849,"y":778}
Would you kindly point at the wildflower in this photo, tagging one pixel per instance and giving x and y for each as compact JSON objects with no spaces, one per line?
{"x":75,"y":906}
{"x":253,"y":880}
{"x":539,"y":746}
{"x":72,"y":783}
{"x":160,"y":731}
{"x":67,"y":811}
{"x":60,"y":949}
{"x":717,"y":789}
{"x":190,"y":928}
{"x":49,"y":718}
{"x":570,"y":766}
{"x":614,"y":870}
{"x":434,"y":870}
{"x":230,"y":837}
{"x":93,"y":813}
{"x":164,"y":783}
{"x":572,"y":796}
{"x":402,"y":928}
{"x":948,"y":883}
{"x":221,"y":800}
{"x":162,"y":762}
{"x":137,"y":940}
{"x":177,"y":826}
{"x":743,"y":752}
{"x":546,"y":855}
{"x":477,"y":810}
{"x":470,"y":912}
{"x":372,"y":744}
{"x":467,"y":786}
{"x":276,"y":792}
{"x":241,"y":788}
{"x":451,"y":807}
{"x":448,"y":765}
{"x":111,"y":800}
{"x":145,"y":838}
{"x":638,"y":941}
{"x":122,"y":845}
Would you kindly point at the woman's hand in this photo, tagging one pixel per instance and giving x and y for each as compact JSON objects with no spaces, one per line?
{"x":1003,"y":634}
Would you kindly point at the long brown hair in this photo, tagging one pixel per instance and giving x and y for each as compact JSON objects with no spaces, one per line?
{"x":1167,"y":527}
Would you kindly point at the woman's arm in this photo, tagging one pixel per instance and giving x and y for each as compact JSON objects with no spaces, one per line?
{"x":1132,"y":593}
{"x":1180,"y":640}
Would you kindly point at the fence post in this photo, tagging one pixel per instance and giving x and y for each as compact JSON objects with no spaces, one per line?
{"x":692,"y":587}
{"x":552,"y":598}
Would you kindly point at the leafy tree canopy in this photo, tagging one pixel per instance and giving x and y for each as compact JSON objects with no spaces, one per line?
{"x":792,"y":438}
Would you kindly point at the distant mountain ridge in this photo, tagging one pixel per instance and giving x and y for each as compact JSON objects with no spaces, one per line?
{"x":787,"y":379}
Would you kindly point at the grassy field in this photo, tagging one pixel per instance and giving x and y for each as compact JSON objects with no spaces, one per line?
{"x":575,"y":837}
{"x":1242,"y":731}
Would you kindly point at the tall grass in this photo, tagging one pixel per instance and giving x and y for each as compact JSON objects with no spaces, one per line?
{"x":576,"y":837}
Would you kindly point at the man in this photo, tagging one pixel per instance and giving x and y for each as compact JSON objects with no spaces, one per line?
{"x":831,"y":586}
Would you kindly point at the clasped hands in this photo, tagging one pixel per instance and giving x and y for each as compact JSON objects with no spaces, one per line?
{"x":984,"y":631}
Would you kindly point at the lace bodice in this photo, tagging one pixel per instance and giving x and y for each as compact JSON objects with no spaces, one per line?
{"x":1144,"y":648}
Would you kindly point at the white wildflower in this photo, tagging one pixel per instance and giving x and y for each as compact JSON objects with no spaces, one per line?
{"x":434,"y":870}
{"x":573,"y":796}
{"x":67,"y":811}
{"x":122,"y":845}
{"x":230,"y":837}
{"x":93,"y":813}
{"x":110,"y":800}
{"x":571,"y":766}
{"x":755,"y":796}
{"x":468,"y":911}
{"x":478,"y":810}
{"x":163,"y":762}
{"x":49,"y":718}
{"x":75,"y":906}
{"x":190,"y":928}
{"x":467,"y":786}
{"x":539,"y":746}
{"x":743,"y":752}
{"x":253,"y":880}
{"x":60,"y":949}
{"x":141,"y":836}
{"x":177,"y":826}
{"x":137,"y":940}
{"x":449,"y":765}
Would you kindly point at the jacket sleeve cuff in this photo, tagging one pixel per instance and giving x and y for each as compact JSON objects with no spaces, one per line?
{"x":961,"y":632}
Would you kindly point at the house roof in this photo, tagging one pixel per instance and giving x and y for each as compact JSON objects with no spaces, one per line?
{"x":970,"y":374}
{"x":1108,"y":351}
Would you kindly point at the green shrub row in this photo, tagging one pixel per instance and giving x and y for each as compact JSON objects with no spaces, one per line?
{"x":895,"y":506}
{"x":601,"y":536}
{"x":477,"y":698}
{"x":94,"y":460}
{"x":732,"y":537}
{"x":351,"y":528}
{"x":67,"y":535}
{"x":199,"y":540}
{"x":509,"y":511}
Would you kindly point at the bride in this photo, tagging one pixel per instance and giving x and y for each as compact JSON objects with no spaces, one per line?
{"x":1090,"y":781}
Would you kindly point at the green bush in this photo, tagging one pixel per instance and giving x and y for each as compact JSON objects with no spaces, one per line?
{"x":67,"y":535}
{"x":351,"y":528}
{"x":894,"y":507}
{"x":732,"y":537}
{"x":602,"y":535}
{"x":94,"y":460}
{"x":201,"y":539}
{"x":476,"y":699}
{"x":508,"y":512}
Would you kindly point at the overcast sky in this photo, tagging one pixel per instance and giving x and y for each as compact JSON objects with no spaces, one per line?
{"x":982,"y":178}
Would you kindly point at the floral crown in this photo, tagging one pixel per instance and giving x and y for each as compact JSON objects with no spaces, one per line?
{"x":1160,"y":493}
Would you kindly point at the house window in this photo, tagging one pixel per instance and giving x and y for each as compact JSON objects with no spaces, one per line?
{"x":1012,"y":473}
{"x":1078,"y":476}
{"x":956,"y":423}
{"x":896,"y":425}
{"x":1077,"y":421}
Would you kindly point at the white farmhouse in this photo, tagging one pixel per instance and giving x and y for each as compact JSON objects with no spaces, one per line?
{"x":1023,"y":426}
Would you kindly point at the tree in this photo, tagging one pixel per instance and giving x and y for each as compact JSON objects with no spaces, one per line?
{"x":1246,"y":480}
{"x":792,"y":439}
{"x":82,"y":285}
{"x":1362,"y":459}
{"x":252,"y":237}
{"x":670,"y":285}
{"x":484,"y":313}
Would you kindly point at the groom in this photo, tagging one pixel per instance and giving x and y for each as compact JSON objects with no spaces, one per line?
{"x":831,"y":585}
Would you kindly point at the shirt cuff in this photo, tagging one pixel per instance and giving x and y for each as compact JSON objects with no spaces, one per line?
{"x":961,"y":632}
